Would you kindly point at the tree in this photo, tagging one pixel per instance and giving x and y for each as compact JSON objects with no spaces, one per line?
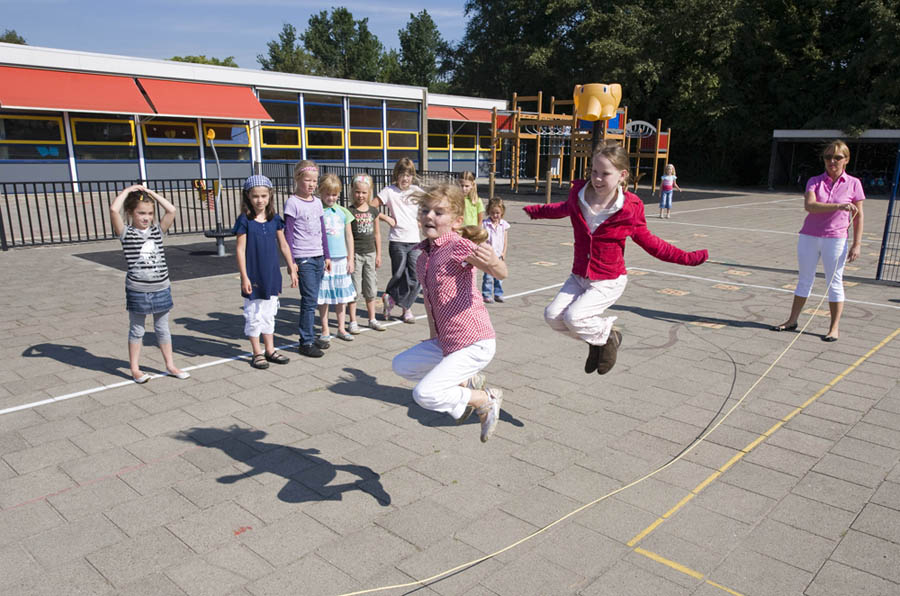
{"x":421,"y":51}
{"x":343,"y":47}
{"x":10,"y":36}
{"x":202,"y":59}
{"x":390,"y":70}
{"x":286,"y":55}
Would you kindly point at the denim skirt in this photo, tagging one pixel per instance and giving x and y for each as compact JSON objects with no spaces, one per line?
{"x":148,"y":303}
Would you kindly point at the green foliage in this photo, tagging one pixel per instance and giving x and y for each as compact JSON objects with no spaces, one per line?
{"x":202,"y":59}
{"x":421,"y":51}
{"x":390,"y":70}
{"x":286,"y":54}
{"x":343,"y":47}
{"x":10,"y":36}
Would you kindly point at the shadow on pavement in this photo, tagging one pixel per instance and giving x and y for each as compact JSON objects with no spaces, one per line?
{"x":78,"y":356}
{"x":308,"y":475}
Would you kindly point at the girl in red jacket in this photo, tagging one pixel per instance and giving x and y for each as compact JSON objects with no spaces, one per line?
{"x":603,"y":214}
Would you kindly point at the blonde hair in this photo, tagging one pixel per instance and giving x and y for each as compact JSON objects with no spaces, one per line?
{"x":404,"y":165}
{"x":452,"y":193}
{"x":330,"y":184}
{"x":470,"y":176}
{"x":617,"y":156}
{"x":670,"y":165}
{"x":837,"y":146}
{"x":303,"y":166}
{"x":361,"y":179}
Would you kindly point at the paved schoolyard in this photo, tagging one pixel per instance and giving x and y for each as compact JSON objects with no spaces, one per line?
{"x":323,"y":477}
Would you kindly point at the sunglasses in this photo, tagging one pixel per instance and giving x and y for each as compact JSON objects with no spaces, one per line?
{"x":834,"y":156}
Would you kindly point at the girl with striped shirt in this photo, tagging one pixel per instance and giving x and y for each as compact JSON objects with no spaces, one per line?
{"x":147,"y":287}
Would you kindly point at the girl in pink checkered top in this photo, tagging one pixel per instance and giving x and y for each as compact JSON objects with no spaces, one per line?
{"x":448,"y":365}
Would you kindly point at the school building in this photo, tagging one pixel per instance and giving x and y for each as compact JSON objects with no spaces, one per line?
{"x":79,"y":116}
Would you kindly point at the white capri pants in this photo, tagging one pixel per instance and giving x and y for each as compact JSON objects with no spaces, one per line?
{"x":578,"y":308}
{"x":439,"y":376}
{"x":259,"y":316}
{"x":833,"y":252}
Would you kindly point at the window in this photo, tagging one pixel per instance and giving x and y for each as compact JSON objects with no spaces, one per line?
{"x":278,"y":95}
{"x":281,"y":154}
{"x":484,"y":141}
{"x":280,"y":136}
{"x":324,"y":138}
{"x":237,"y":135}
{"x":365,"y":113}
{"x":323,"y":110}
{"x":97,"y":131}
{"x":32,"y":137}
{"x":283,"y":112}
{"x":170,"y":133}
{"x":323,"y":155}
{"x":366,"y":155}
{"x":464,"y":142}
{"x":403,"y":116}
{"x":365,"y":139}
{"x":403,"y":140}
{"x":438,"y":141}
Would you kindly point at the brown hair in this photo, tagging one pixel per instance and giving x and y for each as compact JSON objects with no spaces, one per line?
{"x":404,"y":165}
{"x":837,"y":146}
{"x":494,"y":203}
{"x":456,"y":200}
{"x":135,"y":197}
{"x":247,"y":207}
{"x":330,"y":184}
{"x":617,"y":156}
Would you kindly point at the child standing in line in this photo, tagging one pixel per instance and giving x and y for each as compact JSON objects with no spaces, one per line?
{"x":474,"y":214}
{"x":260,"y":237}
{"x":337,"y":286}
{"x":147,"y":287}
{"x":305,"y":225}
{"x":366,"y":250}
{"x":403,"y":287}
{"x":498,"y":238}
{"x":667,"y":188}
{"x":462,"y":341}
{"x":603,"y":216}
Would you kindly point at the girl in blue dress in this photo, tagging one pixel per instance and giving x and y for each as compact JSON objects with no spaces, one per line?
{"x":337,"y":286}
{"x":260,"y":237}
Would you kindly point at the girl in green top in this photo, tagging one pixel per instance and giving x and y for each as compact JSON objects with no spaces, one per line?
{"x":474,"y":213}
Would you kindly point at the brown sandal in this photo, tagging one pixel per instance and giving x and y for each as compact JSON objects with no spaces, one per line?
{"x":259,"y":361}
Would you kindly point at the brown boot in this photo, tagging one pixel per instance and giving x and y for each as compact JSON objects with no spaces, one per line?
{"x":609,"y":352}
{"x":590,"y":365}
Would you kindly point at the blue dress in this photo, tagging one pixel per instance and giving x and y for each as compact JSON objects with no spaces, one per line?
{"x":262,"y":255}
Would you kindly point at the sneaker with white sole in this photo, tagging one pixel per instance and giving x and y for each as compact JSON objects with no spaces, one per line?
{"x":491,"y":412}
{"x":353,"y":328}
{"x":476,"y":383}
{"x":376,"y":325}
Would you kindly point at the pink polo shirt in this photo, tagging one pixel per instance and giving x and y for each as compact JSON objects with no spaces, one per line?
{"x":846,"y":189}
{"x":457,"y":309}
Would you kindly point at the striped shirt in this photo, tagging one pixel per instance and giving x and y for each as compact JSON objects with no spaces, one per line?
{"x":448,"y":281}
{"x":146,"y":259}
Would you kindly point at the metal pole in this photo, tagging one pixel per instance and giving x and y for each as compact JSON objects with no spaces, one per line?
{"x":220,"y":240}
{"x":888,"y":217}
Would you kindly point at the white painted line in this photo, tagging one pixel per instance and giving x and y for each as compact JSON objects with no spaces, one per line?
{"x":243,"y":356}
{"x":684,"y":223}
{"x":757,"y":204}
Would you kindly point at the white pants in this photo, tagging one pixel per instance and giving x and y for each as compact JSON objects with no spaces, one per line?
{"x":439,"y":376}
{"x":833,"y":252}
{"x":578,"y":308}
{"x":259,"y":316}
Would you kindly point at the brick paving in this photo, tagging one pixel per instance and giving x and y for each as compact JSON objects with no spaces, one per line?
{"x":324,"y":477}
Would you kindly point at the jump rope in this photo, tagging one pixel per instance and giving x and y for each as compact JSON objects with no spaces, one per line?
{"x":712,"y":426}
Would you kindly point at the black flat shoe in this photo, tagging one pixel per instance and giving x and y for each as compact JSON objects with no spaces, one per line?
{"x":608,"y":353}
{"x":792,"y":327}
{"x":829,"y":338}
{"x":590,"y":365}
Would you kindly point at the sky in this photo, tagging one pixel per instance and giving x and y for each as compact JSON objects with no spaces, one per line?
{"x":220,"y":28}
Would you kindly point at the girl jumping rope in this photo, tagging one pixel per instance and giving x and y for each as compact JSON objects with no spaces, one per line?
{"x":337,"y":287}
{"x":147,"y":287}
{"x":462,"y":341}
{"x":667,"y":188}
{"x":602,"y":216}
{"x":260,"y":237}
{"x":305,"y":225}
{"x":367,"y":250}
{"x":498,"y":237}
{"x":403,"y":286}
{"x":474,"y":214}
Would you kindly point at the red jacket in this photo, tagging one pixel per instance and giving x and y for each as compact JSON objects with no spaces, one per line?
{"x":601,"y":255}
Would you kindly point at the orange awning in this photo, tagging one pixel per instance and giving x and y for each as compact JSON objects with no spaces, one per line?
{"x":203,"y":100}
{"x":467,"y":114}
{"x":36,"y":89}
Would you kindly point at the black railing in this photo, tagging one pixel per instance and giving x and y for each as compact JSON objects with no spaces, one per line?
{"x":41,"y":213}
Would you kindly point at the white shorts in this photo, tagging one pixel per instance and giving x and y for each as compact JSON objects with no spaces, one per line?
{"x":259,"y":316}
{"x":833,"y":252}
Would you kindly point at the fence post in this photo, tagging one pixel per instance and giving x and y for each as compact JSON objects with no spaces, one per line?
{"x":3,"y":243}
{"x":549,"y":185}
{"x":888,"y":217}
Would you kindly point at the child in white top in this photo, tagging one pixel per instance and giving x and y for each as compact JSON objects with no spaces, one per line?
{"x":498,"y":238}
{"x":667,"y":187}
{"x":403,"y":287}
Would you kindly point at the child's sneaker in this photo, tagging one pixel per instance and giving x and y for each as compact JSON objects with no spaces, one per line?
{"x":373,"y":324}
{"x":499,"y":299}
{"x":487,"y":299}
{"x":409,"y":318}
{"x":353,"y":328}
{"x":491,"y":412}
{"x":388,"y":303}
{"x":476,"y":382}
{"x":323,"y":342}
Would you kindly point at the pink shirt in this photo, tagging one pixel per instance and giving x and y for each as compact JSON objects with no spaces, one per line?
{"x":846,"y":189}
{"x":457,"y":309}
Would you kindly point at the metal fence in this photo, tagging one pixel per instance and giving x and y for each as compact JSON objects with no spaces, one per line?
{"x":42,"y":213}
{"x":889,"y":257}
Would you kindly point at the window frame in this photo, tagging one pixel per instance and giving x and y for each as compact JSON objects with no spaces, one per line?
{"x":264,"y":145}
{"x":196,"y":141}
{"x":74,"y":121}
{"x":439,"y":147}
{"x":224,"y":143}
{"x":57,"y":119}
{"x":379,"y":132}
{"x":327,"y":129}
{"x":403,"y":147}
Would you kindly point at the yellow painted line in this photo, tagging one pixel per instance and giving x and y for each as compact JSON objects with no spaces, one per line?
{"x":756,"y":442}
{"x":682,"y":569}
{"x":721,"y":587}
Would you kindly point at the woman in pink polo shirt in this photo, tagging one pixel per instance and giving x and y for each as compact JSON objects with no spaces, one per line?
{"x":447,"y":366}
{"x":833,"y":200}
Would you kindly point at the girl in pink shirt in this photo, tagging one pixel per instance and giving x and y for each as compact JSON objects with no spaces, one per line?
{"x":462,"y":341}
{"x":832,"y":200}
